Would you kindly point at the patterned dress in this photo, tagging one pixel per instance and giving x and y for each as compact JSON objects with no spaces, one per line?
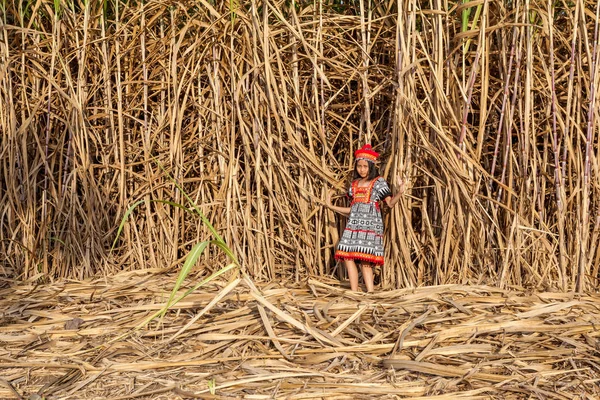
{"x":362,"y":239}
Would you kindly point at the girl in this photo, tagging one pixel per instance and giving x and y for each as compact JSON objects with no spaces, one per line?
{"x":362,"y":239}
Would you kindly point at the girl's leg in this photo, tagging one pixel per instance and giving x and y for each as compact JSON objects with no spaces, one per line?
{"x":367,"y":272}
{"x":352,"y":274}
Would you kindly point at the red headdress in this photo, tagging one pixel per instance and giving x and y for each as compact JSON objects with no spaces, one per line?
{"x":366,"y":153}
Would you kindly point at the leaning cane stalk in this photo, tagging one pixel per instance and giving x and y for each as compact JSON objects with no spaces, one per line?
{"x":585,"y":217}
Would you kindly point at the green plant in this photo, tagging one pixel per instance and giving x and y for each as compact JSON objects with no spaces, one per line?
{"x":192,"y":256}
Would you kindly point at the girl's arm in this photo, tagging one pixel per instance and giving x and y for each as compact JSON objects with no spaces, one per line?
{"x":391,"y":201}
{"x":341,"y":210}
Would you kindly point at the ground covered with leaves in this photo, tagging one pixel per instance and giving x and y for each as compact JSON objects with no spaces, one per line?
{"x":316,"y":340}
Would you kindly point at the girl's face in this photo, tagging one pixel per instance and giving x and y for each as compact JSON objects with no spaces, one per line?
{"x":362,"y":167}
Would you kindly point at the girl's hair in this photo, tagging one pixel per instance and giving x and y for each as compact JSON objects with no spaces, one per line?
{"x":373,"y":172}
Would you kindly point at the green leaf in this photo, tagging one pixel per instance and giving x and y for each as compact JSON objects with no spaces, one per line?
{"x":205,"y":281}
{"x":137,"y":203}
{"x":190,"y":261}
{"x":123,"y":220}
{"x":465,"y":17}
{"x":233,"y":6}
{"x":196,"y":208}
{"x":211,"y":386}
{"x":171,"y":302}
{"x":57,"y":9}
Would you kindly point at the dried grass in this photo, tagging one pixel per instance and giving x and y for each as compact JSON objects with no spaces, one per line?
{"x":312,"y":341}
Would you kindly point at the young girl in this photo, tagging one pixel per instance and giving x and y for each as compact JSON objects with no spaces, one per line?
{"x":362,"y":239}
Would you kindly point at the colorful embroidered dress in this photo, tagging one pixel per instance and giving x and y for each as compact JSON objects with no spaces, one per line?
{"x":362,"y":239}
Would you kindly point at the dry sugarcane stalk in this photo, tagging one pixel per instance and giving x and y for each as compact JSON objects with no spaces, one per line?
{"x":256,"y":108}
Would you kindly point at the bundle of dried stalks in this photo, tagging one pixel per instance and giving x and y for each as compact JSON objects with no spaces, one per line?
{"x":319,"y":341}
{"x":488,"y":108}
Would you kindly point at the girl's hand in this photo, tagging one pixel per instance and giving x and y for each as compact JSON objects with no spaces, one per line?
{"x":401,"y":183}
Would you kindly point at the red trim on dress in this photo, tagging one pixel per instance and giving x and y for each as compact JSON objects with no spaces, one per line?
{"x":355,"y":255}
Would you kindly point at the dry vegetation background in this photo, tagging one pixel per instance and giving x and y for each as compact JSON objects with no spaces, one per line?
{"x":487,"y":107}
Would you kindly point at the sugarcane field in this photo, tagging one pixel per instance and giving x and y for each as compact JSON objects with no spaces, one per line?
{"x":299,"y":199}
